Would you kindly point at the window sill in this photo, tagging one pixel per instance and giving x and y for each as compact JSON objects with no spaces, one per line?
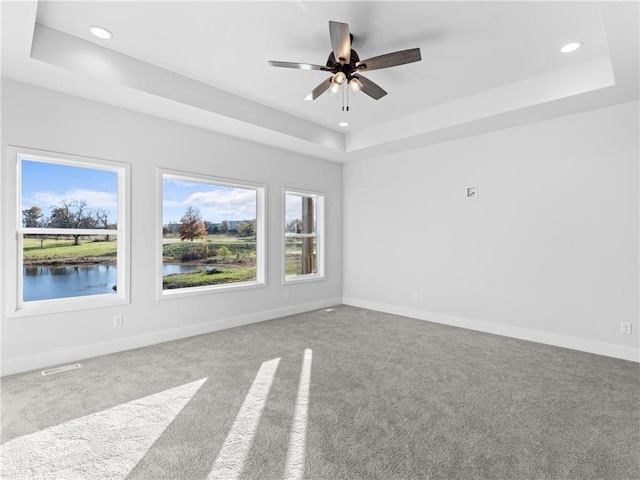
{"x":313,"y":277}
{"x":224,"y":288}
{"x":62,"y":305}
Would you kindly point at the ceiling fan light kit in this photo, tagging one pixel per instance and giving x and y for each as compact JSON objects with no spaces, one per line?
{"x":345,"y":66}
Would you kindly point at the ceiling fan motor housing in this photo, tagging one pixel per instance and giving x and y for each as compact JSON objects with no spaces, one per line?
{"x":349,"y":69}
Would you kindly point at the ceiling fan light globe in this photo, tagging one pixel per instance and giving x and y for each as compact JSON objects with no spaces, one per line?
{"x":355,"y":85}
{"x":335,"y":88}
{"x":339,"y":78}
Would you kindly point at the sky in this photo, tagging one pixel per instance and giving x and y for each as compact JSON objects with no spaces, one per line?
{"x":215,"y":202}
{"x":46,"y":184}
{"x":293,"y":209}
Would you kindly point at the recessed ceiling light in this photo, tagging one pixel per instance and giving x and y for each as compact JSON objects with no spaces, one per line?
{"x":571,"y":47}
{"x":343,"y":124}
{"x":100,"y":32}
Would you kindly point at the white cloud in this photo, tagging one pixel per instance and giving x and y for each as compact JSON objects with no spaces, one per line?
{"x":178,"y":183}
{"x":218,"y":205}
{"x":173,"y":203}
{"x":94,"y":200}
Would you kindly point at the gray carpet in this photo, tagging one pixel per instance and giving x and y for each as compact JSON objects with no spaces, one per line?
{"x":386,"y":397}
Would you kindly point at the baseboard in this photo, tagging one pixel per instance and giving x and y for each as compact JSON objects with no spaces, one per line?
{"x":564,"y":341}
{"x":33,"y":362}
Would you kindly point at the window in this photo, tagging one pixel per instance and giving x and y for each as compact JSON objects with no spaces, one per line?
{"x":303,"y":236}
{"x":211,"y":235}
{"x":71,"y":232}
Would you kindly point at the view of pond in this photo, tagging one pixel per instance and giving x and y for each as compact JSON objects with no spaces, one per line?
{"x":46,"y":282}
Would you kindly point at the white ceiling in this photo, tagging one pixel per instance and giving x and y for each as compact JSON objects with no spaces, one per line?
{"x":485,"y":65}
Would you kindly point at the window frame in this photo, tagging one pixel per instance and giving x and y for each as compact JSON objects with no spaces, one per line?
{"x":320,"y":199}
{"x":261,"y":269}
{"x":16,"y":306}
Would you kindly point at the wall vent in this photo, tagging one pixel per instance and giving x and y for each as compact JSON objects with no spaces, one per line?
{"x":51,"y":371}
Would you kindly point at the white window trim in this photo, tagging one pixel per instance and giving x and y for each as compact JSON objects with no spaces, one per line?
{"x":16,"y":307}
{"x":319,"y":236}
{"x":261,"y":274}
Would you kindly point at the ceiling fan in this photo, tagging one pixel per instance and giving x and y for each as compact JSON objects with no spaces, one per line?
{"x":345,"y":65}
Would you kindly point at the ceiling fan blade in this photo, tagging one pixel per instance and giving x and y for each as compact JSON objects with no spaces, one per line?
{"x":319,"y":90}
{"x":301,"y":66}
{"x":340,"y":41}
{"x":372,"y":89}
{"x":389,"y":60}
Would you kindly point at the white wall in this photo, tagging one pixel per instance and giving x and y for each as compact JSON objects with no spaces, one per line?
{"x":42,"y":119}
{"x":548,"y":251}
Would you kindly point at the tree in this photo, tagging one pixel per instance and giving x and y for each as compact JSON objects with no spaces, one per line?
{"x":31,"y":217}
{"x":102,"y":220}
{"x":191,"y":225}
{"x":224,"y":227}
{"x":72,"y":215}
{"x":246,"y":228}
{"x":173,"y":228}
{"x":294,"y":226}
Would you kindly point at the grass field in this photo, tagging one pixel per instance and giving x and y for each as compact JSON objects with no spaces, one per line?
{"x":218,"y":247}
{"x":212,"y":249}
{"x":66,"y":250}
{"x":219,"y":238}
{"x":209,"y":276}
{"x":293,"y":265}
{"x":173,"y":249}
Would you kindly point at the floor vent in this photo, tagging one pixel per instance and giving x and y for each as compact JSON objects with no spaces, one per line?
{"x":51,"y":371}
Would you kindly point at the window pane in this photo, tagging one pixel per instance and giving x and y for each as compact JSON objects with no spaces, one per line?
{"x":303,"y":244}
{"x":64,"y":196}
{"x":209,"y":234}
{"x":300,"y":214}
{"x":63,"y":266}
{"x":300,"y":255}
{"x":74,"y":195}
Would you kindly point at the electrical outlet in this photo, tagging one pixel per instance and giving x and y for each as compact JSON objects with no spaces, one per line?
{"x":286,"y":294}
{"x":625,"y":328}
{"x":118,"y":321}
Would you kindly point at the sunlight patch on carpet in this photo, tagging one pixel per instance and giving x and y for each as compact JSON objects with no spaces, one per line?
{"x":298,"y":437}
{"x":106,"y":444}
{"x":233,"y":454}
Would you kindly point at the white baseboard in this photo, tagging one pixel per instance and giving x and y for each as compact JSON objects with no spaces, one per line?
{"x":33,"y":362}
{"x":564,"y":341}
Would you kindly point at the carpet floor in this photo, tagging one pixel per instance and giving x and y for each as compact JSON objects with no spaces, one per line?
{"x":342,"y":393}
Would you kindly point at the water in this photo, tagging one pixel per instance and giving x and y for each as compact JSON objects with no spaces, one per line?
{"x":171,"y":268}
{"x":47,"y":282}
